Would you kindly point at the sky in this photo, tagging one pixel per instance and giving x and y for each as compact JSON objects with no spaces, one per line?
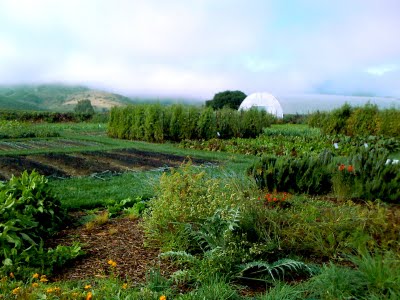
{"x":196,"y":48}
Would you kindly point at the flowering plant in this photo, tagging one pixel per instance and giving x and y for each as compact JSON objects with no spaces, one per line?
{"x":275,"y":199}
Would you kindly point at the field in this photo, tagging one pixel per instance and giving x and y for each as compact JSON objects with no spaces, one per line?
{"x":285,"y":215}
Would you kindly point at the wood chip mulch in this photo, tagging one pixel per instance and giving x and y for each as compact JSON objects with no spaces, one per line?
{"x":120,"y":240}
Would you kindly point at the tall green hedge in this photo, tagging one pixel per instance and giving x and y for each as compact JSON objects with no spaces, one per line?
{"x":157,"y":123}
{"x":364,"y":120}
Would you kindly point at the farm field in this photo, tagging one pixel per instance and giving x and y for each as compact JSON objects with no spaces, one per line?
{"x":284,"y":215}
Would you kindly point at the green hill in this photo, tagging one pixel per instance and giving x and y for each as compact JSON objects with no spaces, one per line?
{"x":55,"y":97}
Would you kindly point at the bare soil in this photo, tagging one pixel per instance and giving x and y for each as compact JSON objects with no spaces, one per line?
{"x":87,"y":163}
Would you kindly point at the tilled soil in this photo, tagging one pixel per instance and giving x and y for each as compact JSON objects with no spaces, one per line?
{"x":87,"y":163}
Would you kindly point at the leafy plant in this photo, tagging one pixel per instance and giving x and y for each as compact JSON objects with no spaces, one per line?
{"x":261,"y":270}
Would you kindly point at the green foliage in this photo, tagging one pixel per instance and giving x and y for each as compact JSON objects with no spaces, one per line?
{"x":369,"y":174}
{"x":206,"y":125}
{"x":375,"y":276}
{"x":306,"y":174}
{"x":84,"y":107}
{"x":230,"y":99}
{"x":261,"y":270}
{"x":186,"y":196}
{"x":156,"y":123}
{"x":316,"y":228}
{"x":29,"y":214}
{"x":15,"y":129}
{"x":362,"y":121}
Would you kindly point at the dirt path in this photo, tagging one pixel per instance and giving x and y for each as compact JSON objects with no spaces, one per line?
{"x":121,"y":240}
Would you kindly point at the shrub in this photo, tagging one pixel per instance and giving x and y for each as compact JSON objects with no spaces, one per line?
{"x":306,"y":174}
{"x":186,"y":196}
{"x":28,"y":214}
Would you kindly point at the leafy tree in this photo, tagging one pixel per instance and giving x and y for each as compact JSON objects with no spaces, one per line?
{"x":231,"y":99}
{"x":84,"y":107}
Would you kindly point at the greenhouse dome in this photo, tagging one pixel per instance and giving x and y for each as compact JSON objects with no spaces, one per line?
{"x":264,"y":101}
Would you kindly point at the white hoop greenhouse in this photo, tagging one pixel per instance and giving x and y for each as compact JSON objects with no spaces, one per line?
{"x":264,"y":101}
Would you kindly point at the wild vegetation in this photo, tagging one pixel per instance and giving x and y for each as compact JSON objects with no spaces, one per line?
{"x":285,"y":215}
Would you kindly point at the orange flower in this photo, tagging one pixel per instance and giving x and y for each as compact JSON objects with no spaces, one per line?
{"x":125,"y":286}
{"x":35,"y":285}
{"x":16,"y":291}
{"x":112,"y":263}
{"x":163,"y":297}
{"x":342,"y":167}
{"x":350,"y":168}
{"x":12,"y":275}
{"x":88,"y":286}
{"x":89,"y":296}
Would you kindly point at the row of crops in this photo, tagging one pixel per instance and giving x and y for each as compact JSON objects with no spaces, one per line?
{"x":156,"y":123}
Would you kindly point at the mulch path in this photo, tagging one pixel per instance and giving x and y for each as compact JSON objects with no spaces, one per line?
{"x":120,"y":240}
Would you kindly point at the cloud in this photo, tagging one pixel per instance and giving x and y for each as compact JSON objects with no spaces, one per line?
{"x":198,"y":47}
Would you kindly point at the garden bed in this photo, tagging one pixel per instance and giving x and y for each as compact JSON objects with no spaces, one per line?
{"x":87,"y":163}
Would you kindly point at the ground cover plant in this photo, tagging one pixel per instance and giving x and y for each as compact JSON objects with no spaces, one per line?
{"x":214,"y":233}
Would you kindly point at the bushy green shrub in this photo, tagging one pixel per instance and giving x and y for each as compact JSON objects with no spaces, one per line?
{"x":366,"y":120}
{"x":186,"y":196}
{"x":305,"y":174}
{"x":368,"y":174}
{"x":29,"y":214}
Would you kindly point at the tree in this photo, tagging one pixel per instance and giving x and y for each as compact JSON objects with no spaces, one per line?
{"x":231,"y":99}
{"x":84,"y":107}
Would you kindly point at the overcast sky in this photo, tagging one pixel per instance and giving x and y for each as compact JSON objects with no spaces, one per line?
{"x":195,"y":48}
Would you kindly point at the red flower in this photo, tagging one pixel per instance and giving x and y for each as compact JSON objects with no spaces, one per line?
{"x":342,"y":167}
{"x":350,"y":168}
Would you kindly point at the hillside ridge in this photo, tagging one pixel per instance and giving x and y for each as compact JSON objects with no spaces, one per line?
{"x":56,"y":97}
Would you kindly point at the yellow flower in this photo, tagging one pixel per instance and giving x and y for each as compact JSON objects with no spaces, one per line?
{"x":125,"y":286}
{"x":57,"y":289}
{"x":49,"y":290}
{"x":35,"y":284}
{"x":163,"y":297}
{"x":36,"y":275}
{"x":112,"y":263}
{"x":89,"y":296}
{"x":16,"y":290}
{"x":88,"y":286}
{"x":43,"y":278}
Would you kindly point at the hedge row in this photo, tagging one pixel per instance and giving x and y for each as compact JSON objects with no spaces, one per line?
{"x":368,"y":175}
{"x":157,"y":123}
{"x":44,"y":116}
{"x":352,"y":121}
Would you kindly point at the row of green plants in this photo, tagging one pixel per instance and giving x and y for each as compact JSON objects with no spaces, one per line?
{"x":49,"y":117}
{"x":358,"y":121}
{"x":16,"y":129}
{"x":368,"y":174}
{"x":156,"y":123}
{"x":293,"y":140}
{"x":29,"y":214}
